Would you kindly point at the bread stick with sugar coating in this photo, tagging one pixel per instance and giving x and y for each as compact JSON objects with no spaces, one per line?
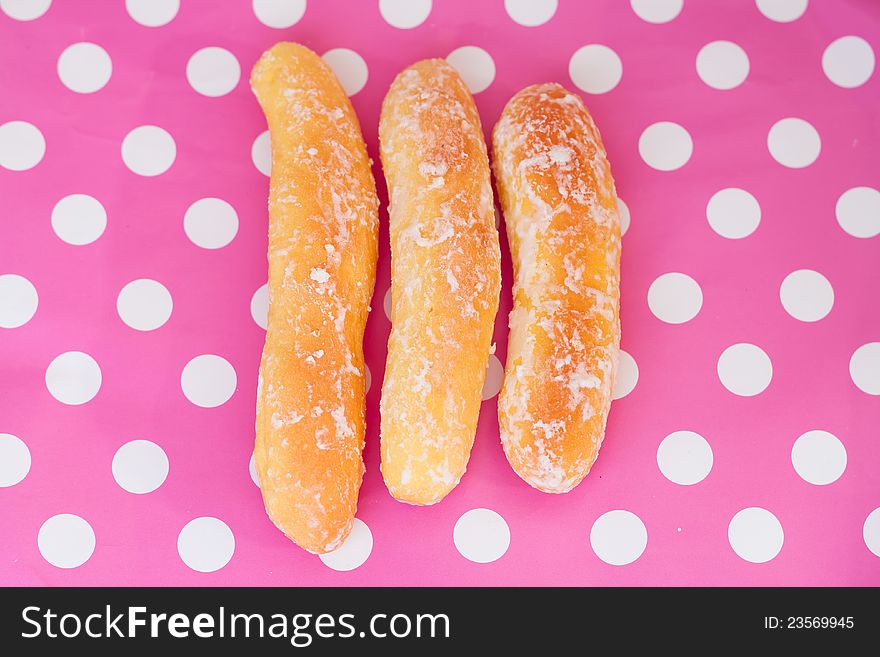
{"x":560,"y":209}
{"x":323,"y":220}
{"x":446,"y":272}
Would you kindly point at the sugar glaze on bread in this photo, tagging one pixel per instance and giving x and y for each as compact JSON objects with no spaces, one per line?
{"x":560,"y":209}
{"x":323,"y":219}
{"x":445,"y":280}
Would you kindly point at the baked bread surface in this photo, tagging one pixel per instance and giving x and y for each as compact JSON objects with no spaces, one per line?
{"x":323,"y":220}
{"x":445,"y":280}
{"x":560,"y":211}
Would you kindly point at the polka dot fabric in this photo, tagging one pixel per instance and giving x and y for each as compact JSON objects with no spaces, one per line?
{"x":742,"y":446}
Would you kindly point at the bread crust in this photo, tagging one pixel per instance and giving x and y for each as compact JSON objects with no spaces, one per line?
{"x":560,"y":209}
{"x":445,"y":280}
{"x":323,"y":221}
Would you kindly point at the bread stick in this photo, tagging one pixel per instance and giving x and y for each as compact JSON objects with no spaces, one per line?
{"x":323,"y":219}
{"x":445,"y":264}
{"x":560,"y":209}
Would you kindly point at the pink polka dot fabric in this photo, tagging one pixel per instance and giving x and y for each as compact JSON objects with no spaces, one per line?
{"x":742,"y":447}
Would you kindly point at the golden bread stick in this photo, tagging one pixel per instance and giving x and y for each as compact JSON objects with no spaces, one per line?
{"x":560,"y":209}
{"x":323,"y":220}
{"x":445,"y":263}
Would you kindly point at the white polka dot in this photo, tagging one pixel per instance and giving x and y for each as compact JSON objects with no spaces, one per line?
{"x":73,"y":378}
{"x":25,"y":10}
{"x":755,"y":535}
{"x":22,"y":145}
{"x":481,"y":535}
{"x":260,"y":306}
{"x":148,"y":150}
{"x":848,"y":62}
{"x":618,"y":537}
{"x":722,"y":64}
{"x":210,"y":223}
{"x":208,"y":381}
{"x":349,"y":67}
{"x":279,"y":14}
{"x":818,"y":457}
{"x":18,"y":301}
{"x":685,"y":458}
{"x":665,"y":146}
{"x":871,"y":531}
{"x":675,"y":298}
{"x":15,"y":460}
{"x":864,"y":368}
{"x":206,"y":544}
{"x":657,"y":11}
{"x":144,"y":304}
{"x":66,"y":541}
{"x":386,"y":303}
{"x":623,"y":210}
{"x":733,"y":213}
{"x":213,"y":71}
{"x":745,"y":369}
{"x":782,"y":11}
{"x":140,"y":466}
{"x":79,"y":219}
{"x":152,"y":13}
{"x":494,"y":378}
{"x":405,"y":14}
{"x":261,"y":153}
{"x":794,"y":143}
{"x":595,"y":69}
{"x":530,"y":13}
{"x":368,"y":376}
{"x":806,"y":295}
{"x":858,"y":212}
{"x":627,"y":376}
{"x":354,"y":550}
{"x":475,"y":65}
{"x":252,"y":468}
{"x":84,"y":67}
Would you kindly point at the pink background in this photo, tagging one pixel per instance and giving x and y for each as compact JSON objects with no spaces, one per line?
{"x":678,"y":388}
